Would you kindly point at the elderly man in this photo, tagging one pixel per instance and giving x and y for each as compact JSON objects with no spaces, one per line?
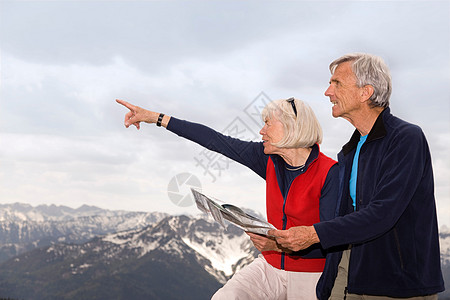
{"x":384,"y":243}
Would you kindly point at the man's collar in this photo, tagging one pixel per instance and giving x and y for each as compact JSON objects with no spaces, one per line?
{"x":378,"y":131}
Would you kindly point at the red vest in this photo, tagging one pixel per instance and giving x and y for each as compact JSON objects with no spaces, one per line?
{"x":301,"y":208}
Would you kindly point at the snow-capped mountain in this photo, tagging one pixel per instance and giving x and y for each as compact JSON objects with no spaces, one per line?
{"x":24,"y":227}
{"x":90,"y":253}
{"x":179,"y":257}
{"x":222,"y":252}
{"x":444,"y":239}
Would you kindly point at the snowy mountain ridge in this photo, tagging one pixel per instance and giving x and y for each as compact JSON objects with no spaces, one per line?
{"x":21,"y":212}
{"x":104,"y":243}
{"x":444,"y":240}
{"x":225,"y":250}
{"x":24,"y":227}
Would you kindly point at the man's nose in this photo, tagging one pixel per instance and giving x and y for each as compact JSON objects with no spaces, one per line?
{"x":328,"y":92}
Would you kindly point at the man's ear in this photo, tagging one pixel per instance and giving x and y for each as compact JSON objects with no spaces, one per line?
{"x":367,"y":92}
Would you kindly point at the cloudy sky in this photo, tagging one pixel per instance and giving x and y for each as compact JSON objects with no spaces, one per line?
{"x":63,"y":63}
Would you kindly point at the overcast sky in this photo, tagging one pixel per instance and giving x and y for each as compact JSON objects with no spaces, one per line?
{"x":63,"y":63}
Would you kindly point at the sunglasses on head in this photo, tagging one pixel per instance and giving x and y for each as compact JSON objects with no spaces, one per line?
{"x":291,"y":101}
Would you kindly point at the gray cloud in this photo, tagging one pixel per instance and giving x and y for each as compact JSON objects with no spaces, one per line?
{"x":64,"y":62}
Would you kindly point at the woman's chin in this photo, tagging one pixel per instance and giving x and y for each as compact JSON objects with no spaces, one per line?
{"x":268,"y":150}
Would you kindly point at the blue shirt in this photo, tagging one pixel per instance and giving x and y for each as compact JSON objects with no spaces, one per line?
{"x":354,"y":174}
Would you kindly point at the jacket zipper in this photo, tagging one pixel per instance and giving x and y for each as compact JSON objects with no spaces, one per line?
{"x":283,"y":254}
{"x":397,"y":241}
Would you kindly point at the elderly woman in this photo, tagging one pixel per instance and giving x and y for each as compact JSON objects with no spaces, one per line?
{"x":301,"y":189}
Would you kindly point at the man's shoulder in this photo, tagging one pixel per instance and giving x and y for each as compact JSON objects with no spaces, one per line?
{"x":396,"y":125}
{"x":401,"y":134}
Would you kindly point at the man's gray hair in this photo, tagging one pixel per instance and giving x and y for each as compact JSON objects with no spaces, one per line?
{"x":369,"y":70}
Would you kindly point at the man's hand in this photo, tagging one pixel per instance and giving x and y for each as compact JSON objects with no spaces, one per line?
{"x":296,"y":238}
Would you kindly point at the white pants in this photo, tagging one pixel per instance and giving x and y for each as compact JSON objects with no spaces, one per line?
{"x":260,"y":281}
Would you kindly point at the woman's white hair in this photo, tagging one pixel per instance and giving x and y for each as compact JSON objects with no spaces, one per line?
{"x":301,"y":131}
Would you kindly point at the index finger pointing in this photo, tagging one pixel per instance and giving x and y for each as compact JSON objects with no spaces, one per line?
{"x":126,"y":104}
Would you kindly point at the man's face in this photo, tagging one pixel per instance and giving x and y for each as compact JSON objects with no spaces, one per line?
{"x":344,"y":94}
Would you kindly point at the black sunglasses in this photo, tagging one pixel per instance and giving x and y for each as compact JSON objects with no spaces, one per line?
{"x":291,"y":101}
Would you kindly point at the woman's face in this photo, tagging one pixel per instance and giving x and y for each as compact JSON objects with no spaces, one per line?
{"x":272,"y":132}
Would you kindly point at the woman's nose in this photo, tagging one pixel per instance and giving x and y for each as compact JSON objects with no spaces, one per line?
{"x":263,"y":130}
